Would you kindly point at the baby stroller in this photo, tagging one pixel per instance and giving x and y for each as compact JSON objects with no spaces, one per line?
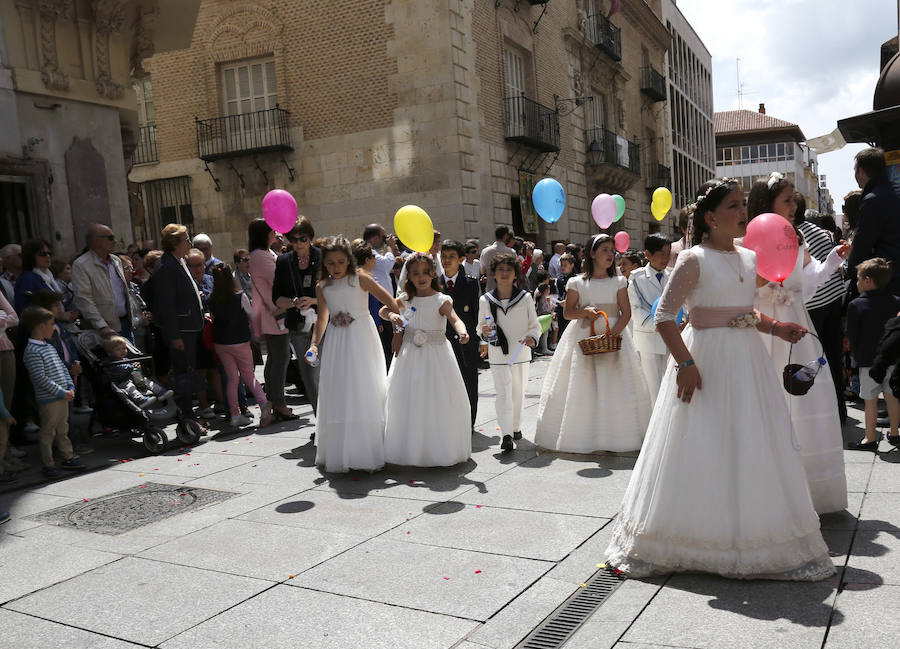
{"x":113,"y":408}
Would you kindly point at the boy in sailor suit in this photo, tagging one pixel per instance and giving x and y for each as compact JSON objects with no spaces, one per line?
{"x":645,"y":286}
{"x":512,"y":311}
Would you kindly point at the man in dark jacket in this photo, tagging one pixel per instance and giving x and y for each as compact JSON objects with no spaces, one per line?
{"x":177,"y":311}
{"x":878,"y":221}
{"x":466,"y":292}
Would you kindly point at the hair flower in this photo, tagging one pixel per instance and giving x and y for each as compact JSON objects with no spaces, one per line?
{"x":774,"y":178}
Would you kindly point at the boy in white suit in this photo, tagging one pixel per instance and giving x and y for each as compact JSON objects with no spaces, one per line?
{"x":645,"y":286}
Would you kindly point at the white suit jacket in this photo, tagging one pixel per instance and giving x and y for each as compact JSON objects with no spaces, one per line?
{"x":644,"y":288}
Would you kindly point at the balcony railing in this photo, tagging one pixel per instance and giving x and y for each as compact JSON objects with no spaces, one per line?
{"x":601,"y":147}
{"x":658,"y":175}
{"x":605,"y":147}
{"x":145,"y":151}
{"x":532,"y":124}
{"x":605,"y":35}
{"x":653,"y":84}
{"x":244,"y":134}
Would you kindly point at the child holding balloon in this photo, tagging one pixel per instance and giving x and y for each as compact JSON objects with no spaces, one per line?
{"x":352,"y":377}
{"x":427,"y":420}
{"x":718,"y":486}
{"x":781,"y":294}
{"x":600,"y":402}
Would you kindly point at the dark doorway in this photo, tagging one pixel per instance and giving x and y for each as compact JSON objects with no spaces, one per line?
{"x":15,"y":214}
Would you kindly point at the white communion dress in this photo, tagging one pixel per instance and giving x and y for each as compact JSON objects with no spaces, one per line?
{"x":817,"y":425}
{"x":352,"y":383}
{"x":599,"y":402}
{"x":428,"y":421}
{"x":718,"y":486}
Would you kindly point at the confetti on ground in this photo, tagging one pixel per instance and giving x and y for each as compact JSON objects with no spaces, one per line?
{"x":143,"y":486}
{"x":179,"y":459}
{"x":225,"y":450}
{"x":156,"y":469}
{"x":142,"y":474}
{"x":601,"y":565}
{"x":86,"y":499}
{"x":254,"y":465}
{"x":447,"y":578}
{"x":290,"y":576}
{"x":581,"y":585}
{"x":478,"y":506}
{"x":477,"y":572}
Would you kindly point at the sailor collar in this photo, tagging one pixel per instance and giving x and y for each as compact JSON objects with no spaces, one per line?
{"x":513,"y":300}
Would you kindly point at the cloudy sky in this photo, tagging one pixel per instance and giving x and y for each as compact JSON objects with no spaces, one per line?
{"x":811,"y":62}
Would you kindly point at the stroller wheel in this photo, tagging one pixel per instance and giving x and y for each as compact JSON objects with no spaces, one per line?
{"x":188,"y":431}
{"x":154,"y":440}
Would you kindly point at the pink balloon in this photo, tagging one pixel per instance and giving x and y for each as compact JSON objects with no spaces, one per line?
{"x":775,"y":243}
{"x":603,"y":209}
{"x":623,"y":241}
{"x":279,"y":209}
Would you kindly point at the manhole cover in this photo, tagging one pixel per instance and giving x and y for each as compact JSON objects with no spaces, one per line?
{"x":130,"y":509}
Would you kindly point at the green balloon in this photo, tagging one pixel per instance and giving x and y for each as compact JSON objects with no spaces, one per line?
{"x":620,"y":207}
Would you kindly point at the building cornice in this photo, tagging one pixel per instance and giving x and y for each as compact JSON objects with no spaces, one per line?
{"x":640,"y":13}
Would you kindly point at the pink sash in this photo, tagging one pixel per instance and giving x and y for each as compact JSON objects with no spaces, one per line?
{"x":710,"y":317}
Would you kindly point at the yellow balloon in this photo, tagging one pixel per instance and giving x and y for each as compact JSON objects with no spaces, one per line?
{"x":663,"y":198}
{"x":658,"y":212}
{"x":414,"y":228}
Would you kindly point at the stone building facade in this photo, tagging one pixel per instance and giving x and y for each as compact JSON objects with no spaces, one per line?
{"x":458,"y":106}
{"x":689,"y":76}
{"x":68,"y":110}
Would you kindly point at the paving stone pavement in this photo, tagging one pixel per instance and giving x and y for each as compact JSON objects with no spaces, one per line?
{"x":468,"y":557}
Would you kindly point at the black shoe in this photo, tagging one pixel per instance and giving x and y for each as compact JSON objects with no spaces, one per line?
{"x":280,"y":416}
{"x":893,"y":440}
{"x":507,"y":443}
{"x":863,"y":446}
{"x":4,"y":516}
{"x":883,"y":422}
{"x":517,"y":435}
{"x":882,"y":413}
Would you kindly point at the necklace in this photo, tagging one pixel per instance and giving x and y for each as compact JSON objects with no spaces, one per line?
{"x":738,"y":269}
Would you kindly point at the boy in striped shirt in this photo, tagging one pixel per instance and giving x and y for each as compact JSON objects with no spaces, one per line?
{"x":53,"y":389}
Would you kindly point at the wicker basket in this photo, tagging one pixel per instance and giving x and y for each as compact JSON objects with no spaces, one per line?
{"x":608,"y":342}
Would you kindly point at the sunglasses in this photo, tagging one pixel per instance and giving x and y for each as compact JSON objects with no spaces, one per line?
{"x":301,"y":239}
{"x":244,"y":259}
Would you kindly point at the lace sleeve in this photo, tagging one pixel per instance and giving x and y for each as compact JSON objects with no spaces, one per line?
{"x":680,"y":285}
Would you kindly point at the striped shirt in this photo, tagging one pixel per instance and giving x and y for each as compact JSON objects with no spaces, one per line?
{"x":820,"y":244}
{"x":49,"y":375}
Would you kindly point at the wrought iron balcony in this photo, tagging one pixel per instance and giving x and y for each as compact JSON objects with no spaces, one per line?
{"x":245,"y":134}
{"x":653,"y":84}
{"x":601,"y":147}
{"x":658,"y":175}
{"x":532,"y":124}
{"x":145,"y":151}
{"x":605,"y":35}
{"x":633,"y":162}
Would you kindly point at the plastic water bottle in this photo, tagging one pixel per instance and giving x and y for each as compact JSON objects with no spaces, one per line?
{"x":808,"y":372}
{"x":492,"y":336}
{"x":312,"y":358}
{"x":407,"y":315}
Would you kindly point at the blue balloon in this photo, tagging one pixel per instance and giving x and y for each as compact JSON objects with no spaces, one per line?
{"x":549,"y":199}
{"x":678,"y":319}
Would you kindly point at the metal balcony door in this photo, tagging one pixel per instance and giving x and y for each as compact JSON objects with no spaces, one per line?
{"x":248,"y":88}
{"x":514,"y":67}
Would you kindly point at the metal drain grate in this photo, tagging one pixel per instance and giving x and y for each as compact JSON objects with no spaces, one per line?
{"x":562,"y":624}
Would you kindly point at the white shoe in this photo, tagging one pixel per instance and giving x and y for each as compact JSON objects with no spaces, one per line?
{"x":16,"y":452}
{"x":239,"y":421}
{"x":31,"y":427}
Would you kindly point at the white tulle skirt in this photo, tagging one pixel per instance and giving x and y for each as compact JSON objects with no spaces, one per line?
{"x":350,"y":414}
{"x":428,"y":422}
{"x":719,"y":486}
{"x":592,"y":403}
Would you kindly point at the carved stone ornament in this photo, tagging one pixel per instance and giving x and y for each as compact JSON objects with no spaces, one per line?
{"x":108,"y":18}
{"x":578,"y":84}
{"x":142,"y":45}
{"x":50,"y":11}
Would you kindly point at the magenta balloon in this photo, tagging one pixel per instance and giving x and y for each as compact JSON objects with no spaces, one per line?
{"x":623,"y":241}
{"x":279,"y":209}
{"x":775,"y":243}
{"x":603,"y":209}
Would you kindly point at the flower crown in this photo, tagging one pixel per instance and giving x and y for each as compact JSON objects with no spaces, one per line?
{"x":721,"y":182}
